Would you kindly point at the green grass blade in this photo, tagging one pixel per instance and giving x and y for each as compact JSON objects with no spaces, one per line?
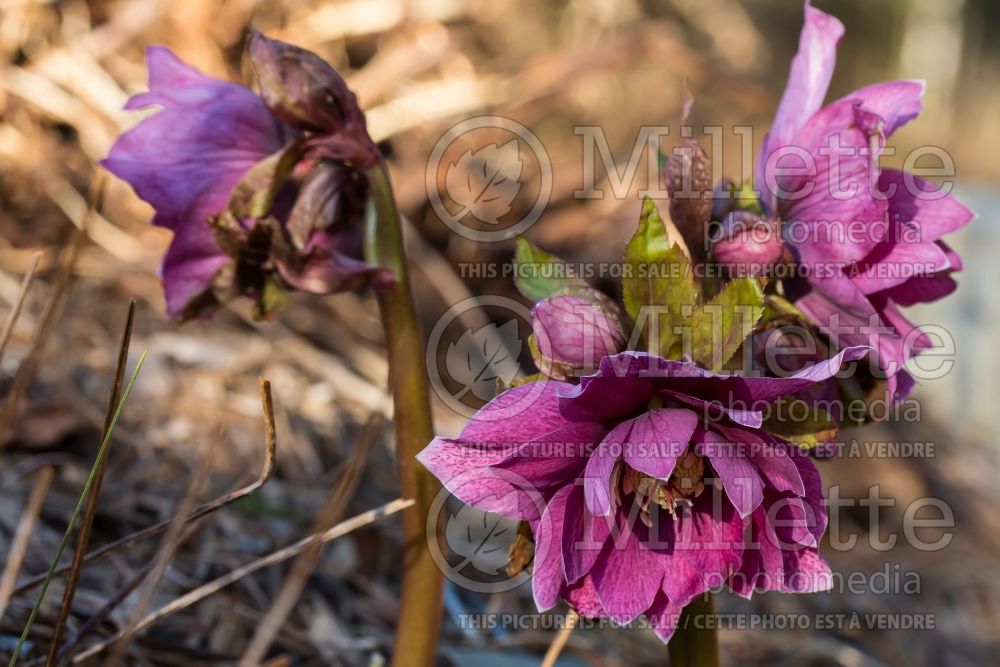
{"x":101,"y":453}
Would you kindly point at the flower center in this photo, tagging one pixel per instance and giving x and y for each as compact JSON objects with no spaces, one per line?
{"x":685,"y":483}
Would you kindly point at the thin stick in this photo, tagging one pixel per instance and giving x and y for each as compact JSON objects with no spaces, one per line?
{"x":76,"y":513}
{"x":98,"y":617}
{"x":298,"y":576}
{"x":83,"y":537}
{"x":270,"y":447}
{"x":557,"y":645}
{"x":15,"y":311}
{"x":25,"y":527}
{"x":280,"y":556}
{"x":170,"y":543}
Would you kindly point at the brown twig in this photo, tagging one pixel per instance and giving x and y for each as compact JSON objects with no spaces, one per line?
{"x":25,"y":527}
{"x":90,"y":511}
{"x":171,"y":541}
{"x":280,"y":556}
{"x":98,"y":617}
{"x":15,"y":310}
{"x":559,"y":643}
{"x":298,"y":576}
{"x":270,"y":444}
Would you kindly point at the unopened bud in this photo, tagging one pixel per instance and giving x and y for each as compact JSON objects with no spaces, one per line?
{"x":748,"y":245}
{"x":574,"y":329}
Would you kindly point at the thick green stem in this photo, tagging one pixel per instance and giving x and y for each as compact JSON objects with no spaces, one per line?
{"x":695,"y":643}
{"x":421,"y":603}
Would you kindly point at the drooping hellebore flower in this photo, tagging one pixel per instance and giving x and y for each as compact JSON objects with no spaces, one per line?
{"x":263,"y":193}
{"x":642,"y":483}
{"x":867,"y":239}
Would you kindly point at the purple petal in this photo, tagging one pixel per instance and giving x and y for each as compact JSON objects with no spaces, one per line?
{"x":189,"y":266}
{"x":914,"y":200}
{"x":525,"y":413}
{"x":657,"y":438}
{"x":740,"y":480}
{"x":547,"y":576}
{"x":597,"y":475}
{"x":805,"y":571}
{"x":893,"y":264}
{"x":707,"y":546}
{"x":808,"y":80}
{"x":167,"y":73}
{"x":813,"y":490}
{"x":766,"y":390}
{"x":627,"y":576}
{"x":833,"y":211}
{"x":770,"y":456}
{"x":923,"y":290}
{"x":896,"y":102}
{"x":663,"y":616}
{"x":714,"y":409}
{"x":465,"y":471}
{"x":584,"y":536}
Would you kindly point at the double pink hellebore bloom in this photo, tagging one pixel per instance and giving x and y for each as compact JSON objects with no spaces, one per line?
{"x":646,"y":484}
{"x":867,"y":239}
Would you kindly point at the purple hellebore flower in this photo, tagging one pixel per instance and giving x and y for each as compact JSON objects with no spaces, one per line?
{"x":574,"y":329}
{"x":649,"y":483}
{"x":254,"y":199}
{"x":867,"y":238}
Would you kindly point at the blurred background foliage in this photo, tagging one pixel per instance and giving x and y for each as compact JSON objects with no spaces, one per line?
{"x":66,"y":69}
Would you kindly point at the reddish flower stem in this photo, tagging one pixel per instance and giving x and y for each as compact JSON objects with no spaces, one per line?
{"x":695,"y":642}
{"x":421,"y":600}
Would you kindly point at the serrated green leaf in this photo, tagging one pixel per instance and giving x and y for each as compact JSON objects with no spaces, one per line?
{"x":799,"y":423}
{"x":658,"y":275}
{"x":719,"y":327}
{"x":539,"y":274}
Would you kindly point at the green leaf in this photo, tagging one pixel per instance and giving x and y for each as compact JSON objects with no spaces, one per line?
{"x":799,"y":423}
{"x":539,"y":274}
{"x":718,"y":328}
{"x":658,"y":274}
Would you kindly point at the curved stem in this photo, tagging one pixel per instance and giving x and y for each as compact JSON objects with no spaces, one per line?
{"x":695,"y":642}
{"x":421,"y":603}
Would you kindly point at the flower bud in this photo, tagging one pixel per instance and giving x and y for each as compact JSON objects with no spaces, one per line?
{"x":748,"y":245}
{"x":688,"y":177}
{"x":573,"y":330}
{"x":305,"y":92}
